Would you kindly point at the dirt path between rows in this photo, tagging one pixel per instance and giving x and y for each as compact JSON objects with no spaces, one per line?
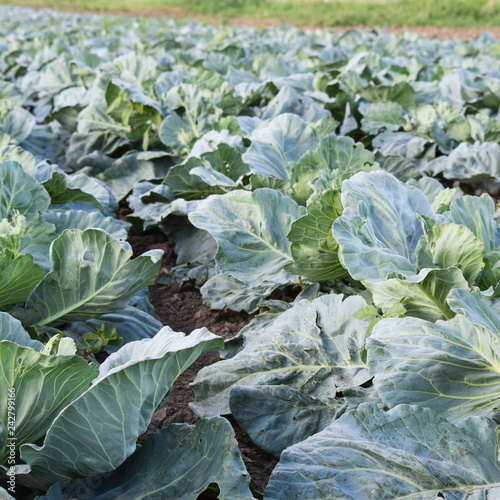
{"x":182,"y":309}
{"x":181,"y":14}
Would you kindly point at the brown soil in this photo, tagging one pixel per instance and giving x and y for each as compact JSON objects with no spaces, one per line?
{"x":444,"y":33}
{"x":183,"y":14}
{"x":181,"y":308}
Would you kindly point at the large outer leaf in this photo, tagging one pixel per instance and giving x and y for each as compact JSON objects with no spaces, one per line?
{"x":131,"y":324}
{"x":199,"y":177}
{"x":278,"y":416}
{"x":178,"y":462}
{"x":11,"y":152}
{"x":315,"y":348}
{"x":409,"y":146}
{"x":10,"y":95}
{"x":383,"y":115}
{"x":18,"y":277}
{"x":475,"y":308}
{"x":222,"y":290}
{"x":315,"y":252}
{"x":287,"y":101}
{"x":398,"y":166}
{"x":471,"y":162}
{"x":43,"y":385}
{"x":409,"y":452}
{"x":130,"y":169}
{"x":94,"y":117}
{"x":18,"y":124}
{"x":285,"y":139}
{"x":250,"y":229}
{"x":451,"y":367}
{"x":383,"y":243}
{"x":379,"y":230}
{"x":79,"y":219}
{"x":176,"y":132}
{"x":92,"y":275}
{"x":12,"y":330}
{"x":98,"y":431}
{"x":477,"y":213}
{"x":37,"y":240}
{"x":19,"y":191}
{"x":61,"y":192}
{"x":186,"y":185}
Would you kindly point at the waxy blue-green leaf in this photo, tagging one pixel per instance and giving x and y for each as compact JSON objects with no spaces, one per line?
{"x":222,"y":290}
{"x":398,"y":166}
{"x":401,"y":93}
{"x":12,"y":330}
{"x":43,"y":386}
{"x":192,"y":116}
{"x":449,"y":366}
{"x":163,"y":466}
{"x":100,"y":191}
{"x":475,"y":308}
{"x":135,"y":68}
{"x":199,"y":177}
{"x":473,"y":163}
{"x":99,"y":430}
{"x":10,"y":95}
{"x":92,"y":275}
{"x":176,"y":133}
{"x":379,"y":229}
{"x":411,"y":147}
{"x":60,"y":192}
{"x":19,"y":191}
{"x":78,"y":219}
{"x":36,"y":241}
{"x":94,"y":118}
{"x":18,"y":124}
{"x":316,"y":347}
{"x":382,"y":115}
{"x":434,"y":191}
{"x":250,"y":229}
{"x":12,"y":152}
{"x":383,"y":243}
{"x":131,"y":324}
{"x":408,"y":452}
{"x":287,"y":101}
{"x":278,"y":416}
{"x":283,"y":140}
{"x":477,"y":213}
{"x":184,"y":182}
{"x":128,"y":170}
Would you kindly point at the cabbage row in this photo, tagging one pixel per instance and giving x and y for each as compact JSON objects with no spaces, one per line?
{"x":336,"y":185}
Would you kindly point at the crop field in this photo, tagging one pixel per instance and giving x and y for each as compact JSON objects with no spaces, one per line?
{"x":247,"y":264}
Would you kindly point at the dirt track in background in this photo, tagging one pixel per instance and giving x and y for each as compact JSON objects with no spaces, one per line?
{"x":180,"y":14}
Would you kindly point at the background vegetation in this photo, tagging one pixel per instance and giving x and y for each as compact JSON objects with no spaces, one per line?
{"x":321,"y":13}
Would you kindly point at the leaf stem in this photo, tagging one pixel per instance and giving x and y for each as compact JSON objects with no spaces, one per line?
{"x":447,"y":313}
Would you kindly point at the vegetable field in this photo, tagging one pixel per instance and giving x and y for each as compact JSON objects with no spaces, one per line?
{"x":329,"y":197}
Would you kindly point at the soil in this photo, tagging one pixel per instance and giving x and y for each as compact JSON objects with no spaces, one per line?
{"x":183,"y":14}
{"x":182,"y":308}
